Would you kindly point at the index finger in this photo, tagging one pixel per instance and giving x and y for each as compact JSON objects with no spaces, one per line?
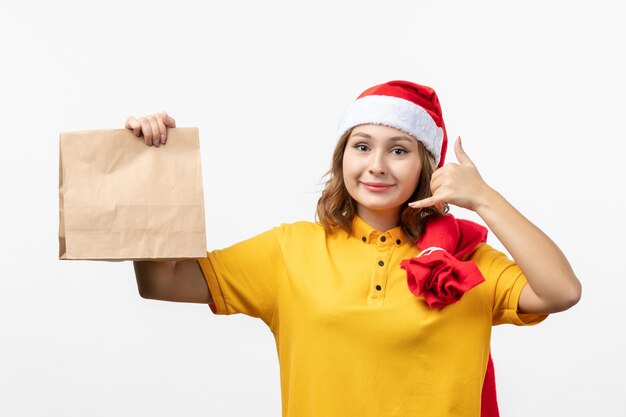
{"x":168,"y":120}
{"x":133,"y":123}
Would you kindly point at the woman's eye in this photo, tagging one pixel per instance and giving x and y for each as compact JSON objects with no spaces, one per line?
{"x":399,"y":151}
{"x":361,"y":147}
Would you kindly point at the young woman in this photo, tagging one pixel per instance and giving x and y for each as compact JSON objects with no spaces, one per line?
{"x":383,"y":307}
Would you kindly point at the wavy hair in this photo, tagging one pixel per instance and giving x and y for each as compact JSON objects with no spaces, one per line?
{"x":336,"y":208}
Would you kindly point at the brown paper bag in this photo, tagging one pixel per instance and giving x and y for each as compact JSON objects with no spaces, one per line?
{"x":120,"y":199}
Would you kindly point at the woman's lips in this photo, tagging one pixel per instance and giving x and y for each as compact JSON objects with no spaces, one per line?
{"x":376,"y":187}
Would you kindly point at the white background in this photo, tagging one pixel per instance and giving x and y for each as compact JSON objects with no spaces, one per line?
{"x":536,"y":90}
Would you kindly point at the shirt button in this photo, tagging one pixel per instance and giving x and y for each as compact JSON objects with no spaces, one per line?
{"x":383,"y":238}
{"x":378,"y":287}
{"x":381,"y":263}
{"x":364,"y":239}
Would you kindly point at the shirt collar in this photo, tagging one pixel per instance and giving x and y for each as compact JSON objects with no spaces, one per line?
{"x":368,"y":234}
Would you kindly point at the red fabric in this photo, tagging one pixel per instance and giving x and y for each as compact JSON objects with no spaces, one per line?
{"x":441,"y":277}
{"x":421,"y":95}
{"x":489,"y":402}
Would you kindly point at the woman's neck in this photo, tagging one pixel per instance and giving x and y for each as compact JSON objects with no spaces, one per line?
{"x":382,"y":220}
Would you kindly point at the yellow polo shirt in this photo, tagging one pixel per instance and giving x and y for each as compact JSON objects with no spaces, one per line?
{"x":352,"y":340}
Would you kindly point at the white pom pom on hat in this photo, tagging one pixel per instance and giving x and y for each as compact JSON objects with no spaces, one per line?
{"x":406,"y":106}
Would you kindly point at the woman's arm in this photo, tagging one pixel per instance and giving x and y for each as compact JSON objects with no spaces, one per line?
{"x":552,"y":285}
{"x":180,"y":280}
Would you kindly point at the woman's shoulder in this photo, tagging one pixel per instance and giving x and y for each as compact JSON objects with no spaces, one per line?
{"x":493,"y":262}
{"x":300,"y":236}
{"x":300,"y":228}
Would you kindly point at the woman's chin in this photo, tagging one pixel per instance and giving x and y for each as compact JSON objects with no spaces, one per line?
{"x":379,"y":207}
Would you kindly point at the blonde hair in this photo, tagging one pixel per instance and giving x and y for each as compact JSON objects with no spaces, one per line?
{"x":336,"y":208}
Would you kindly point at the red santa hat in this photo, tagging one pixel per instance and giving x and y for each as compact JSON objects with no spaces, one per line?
{"x":409,"y":107}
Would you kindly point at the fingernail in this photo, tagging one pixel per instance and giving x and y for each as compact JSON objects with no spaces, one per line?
{"x":162,"y":138}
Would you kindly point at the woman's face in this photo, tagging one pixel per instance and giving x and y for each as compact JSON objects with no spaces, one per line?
{"x":381,"y":169}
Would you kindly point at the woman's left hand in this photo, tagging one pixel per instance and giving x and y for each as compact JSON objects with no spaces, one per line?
{"x":459,"y":184}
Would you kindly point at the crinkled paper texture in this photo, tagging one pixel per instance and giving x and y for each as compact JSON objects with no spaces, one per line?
{"x":122,"y":200}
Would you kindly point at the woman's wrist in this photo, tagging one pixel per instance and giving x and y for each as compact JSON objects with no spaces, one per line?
{"x":487,"y":200}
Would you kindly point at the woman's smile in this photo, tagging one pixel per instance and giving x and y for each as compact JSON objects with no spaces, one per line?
{"x":377,"y":187}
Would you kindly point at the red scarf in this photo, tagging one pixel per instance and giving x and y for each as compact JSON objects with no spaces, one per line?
{"x":440,"y":276}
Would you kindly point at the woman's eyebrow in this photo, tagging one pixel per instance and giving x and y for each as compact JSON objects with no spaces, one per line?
{"x":395,"y":138}
{"x":401,"y":138}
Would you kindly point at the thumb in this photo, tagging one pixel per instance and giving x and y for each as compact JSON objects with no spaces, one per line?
{"x":461,"y":156}
{"x":168,"y":120}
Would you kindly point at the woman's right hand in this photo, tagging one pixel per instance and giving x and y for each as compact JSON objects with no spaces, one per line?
{"x":153,"y":127}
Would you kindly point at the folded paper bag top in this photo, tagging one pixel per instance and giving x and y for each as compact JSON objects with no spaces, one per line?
{"x":122,"y":200}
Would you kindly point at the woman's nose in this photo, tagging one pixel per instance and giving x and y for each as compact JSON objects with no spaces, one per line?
{"x":377,"y":164}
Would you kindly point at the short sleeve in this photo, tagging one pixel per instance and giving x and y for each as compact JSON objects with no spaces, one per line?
{"x":245,"y":277}
{"x":504,"y":282}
